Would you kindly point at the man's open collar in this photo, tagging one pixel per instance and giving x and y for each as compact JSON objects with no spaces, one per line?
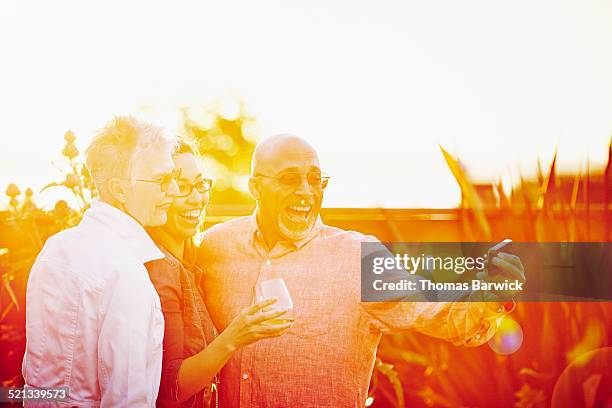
{"x":126,"y":227}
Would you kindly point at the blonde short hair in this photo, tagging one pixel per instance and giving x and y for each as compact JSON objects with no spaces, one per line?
{"x":122,"y":141}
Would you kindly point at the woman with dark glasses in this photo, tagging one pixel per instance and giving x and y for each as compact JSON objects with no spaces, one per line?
{"x":193,"y":353}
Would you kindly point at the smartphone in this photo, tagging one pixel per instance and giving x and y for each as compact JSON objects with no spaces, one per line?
{"x":499,"y":247}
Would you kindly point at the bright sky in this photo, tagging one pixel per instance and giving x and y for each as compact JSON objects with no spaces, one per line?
{"x":375,"y":86}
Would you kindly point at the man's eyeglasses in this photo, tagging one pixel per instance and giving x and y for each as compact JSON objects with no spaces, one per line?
{"x":203,"y":186}
{"x":315,"y":180}
{"x":165,"y":180}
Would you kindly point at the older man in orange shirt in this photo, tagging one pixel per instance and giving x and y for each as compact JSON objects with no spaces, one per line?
{"x":326,"y":358}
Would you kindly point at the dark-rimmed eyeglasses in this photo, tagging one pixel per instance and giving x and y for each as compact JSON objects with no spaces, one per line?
{"x":315,"y":180}
{"x":203,"y":186}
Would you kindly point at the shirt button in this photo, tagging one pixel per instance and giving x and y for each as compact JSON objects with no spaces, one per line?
{"x":480,"y":310}
{"x":268,"y":262}
{"x":245,"y":376}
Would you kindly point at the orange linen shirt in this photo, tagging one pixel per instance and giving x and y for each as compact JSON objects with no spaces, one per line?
{"x":327,"y":357}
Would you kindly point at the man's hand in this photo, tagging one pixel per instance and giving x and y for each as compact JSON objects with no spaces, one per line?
{"x":503,"y":266}
{"x":510,"y":265}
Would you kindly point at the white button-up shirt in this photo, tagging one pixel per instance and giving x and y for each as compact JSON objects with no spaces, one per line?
{"x":94,"y":322}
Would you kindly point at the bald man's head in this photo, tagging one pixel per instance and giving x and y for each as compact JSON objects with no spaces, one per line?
{"x":280,"y":151}
{"x":286,"y":182}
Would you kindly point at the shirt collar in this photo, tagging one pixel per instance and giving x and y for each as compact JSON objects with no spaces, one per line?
{"x":126,"y":227}
{"x":257,"y":237}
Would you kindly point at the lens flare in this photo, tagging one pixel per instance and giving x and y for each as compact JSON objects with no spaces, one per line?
{"x":508,"y":338}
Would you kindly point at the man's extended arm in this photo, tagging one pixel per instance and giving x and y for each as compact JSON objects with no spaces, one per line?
{"x":467,"y":318}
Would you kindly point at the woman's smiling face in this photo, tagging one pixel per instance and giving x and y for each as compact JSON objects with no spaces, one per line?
{"x":187,"y":211}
